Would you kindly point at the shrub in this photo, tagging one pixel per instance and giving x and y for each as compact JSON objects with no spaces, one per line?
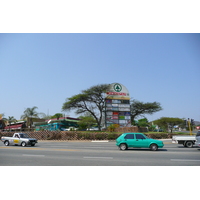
{"x":84,"y":136}
{"x":69,"y":135}
{"x":113,"y":136}
{"x":55,"y":136}
{"x":159,"y":135}
{"x":113,"y":127}
{"x":88,"y":136}
{"x":100,"y":136}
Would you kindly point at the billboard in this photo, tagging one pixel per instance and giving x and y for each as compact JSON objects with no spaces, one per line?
{"x":117,"y":91}
{"x":117,"y":105}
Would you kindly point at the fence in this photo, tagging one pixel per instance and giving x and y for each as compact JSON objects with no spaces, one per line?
{"x":66,"y":135}
{"x":81,"y":135}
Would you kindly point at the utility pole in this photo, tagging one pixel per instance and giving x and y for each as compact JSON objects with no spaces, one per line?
{"x":189,"y":126}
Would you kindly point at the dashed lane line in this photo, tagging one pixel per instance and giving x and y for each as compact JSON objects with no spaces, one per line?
{"x":90,"y":157}
{"x":35,"y":148}
{"x":33,"y":155}
{"x":184,"y":160}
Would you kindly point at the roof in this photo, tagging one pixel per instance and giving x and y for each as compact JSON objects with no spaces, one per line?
{"x":16,"y":126}
{"x":55,"y":121}
{"x":63,"y":118}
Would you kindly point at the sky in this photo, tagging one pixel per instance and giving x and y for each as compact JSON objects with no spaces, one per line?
{"x":43,"y":69}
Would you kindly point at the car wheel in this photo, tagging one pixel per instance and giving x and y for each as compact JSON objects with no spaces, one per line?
{"x":23,"y":144}
{"x":189,"y":144}
{"x":6,"y":143}
{"x":154,"y":147}
{"x":123,"y":147}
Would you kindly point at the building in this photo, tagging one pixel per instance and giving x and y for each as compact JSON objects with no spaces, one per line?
{"x":16,"y":126}
{"x":57,"y":124}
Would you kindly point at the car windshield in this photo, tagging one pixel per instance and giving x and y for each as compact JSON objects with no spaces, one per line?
{"x":24,"y":135}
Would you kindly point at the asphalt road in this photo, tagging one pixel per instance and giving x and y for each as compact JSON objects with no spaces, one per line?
{"x":47,"y":153}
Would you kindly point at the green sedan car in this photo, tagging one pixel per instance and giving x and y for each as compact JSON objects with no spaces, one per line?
{"x":137,"y":140}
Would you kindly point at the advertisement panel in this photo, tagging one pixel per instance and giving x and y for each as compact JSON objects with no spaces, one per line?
{"x":117,"y":105}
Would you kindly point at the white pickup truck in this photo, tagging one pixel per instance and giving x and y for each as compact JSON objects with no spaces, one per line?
{"x":19,"y":139}
{"x":198,"y":139}
{"x":185,"y":140}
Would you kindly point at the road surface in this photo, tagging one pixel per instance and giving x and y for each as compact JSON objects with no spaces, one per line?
{"x":48,"y":153}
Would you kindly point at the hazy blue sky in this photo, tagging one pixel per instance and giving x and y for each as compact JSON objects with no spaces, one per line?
{"x":44,"y":69}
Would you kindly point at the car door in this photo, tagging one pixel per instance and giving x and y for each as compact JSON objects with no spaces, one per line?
{"x":130,"y":139}
{"x":141,"y":141}
{"x":16,"y":139}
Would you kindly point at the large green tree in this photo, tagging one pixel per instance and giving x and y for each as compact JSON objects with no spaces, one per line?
{"x":91,"y":100}
{"x":142,"y":122}
{"x":139,"y":108}
{"x":86,"y":121}
{"x":168,"y":123}
{"x":29,"y":114}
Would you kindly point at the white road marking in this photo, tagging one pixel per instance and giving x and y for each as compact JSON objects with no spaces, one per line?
{"x":99,"y":141}
{"x":185,"y":160}
{"x":94,"y":147}
{"x":99,"y":157}
{"x":57,"y":146}
{"x":33,"y":155}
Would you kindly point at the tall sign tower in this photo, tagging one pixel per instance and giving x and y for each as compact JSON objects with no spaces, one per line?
{"x":117,"y":108}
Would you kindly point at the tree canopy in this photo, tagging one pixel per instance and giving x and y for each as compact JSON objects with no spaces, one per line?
{"x":141,"y":122}
{"x":168,"y":123}
{"x":139,"y":108}
{"x":57,"y":116}
{"x":91,"y":100}
{"x":29,"y":113}
{"x":86,"y":121}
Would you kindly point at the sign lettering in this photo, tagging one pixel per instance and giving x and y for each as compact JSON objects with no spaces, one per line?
{"x":116,"y":93}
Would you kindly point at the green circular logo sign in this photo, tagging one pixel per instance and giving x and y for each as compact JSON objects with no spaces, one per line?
{"x":117,"y":87}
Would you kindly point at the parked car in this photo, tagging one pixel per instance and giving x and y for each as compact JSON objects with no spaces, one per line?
{"x":140,"y":140}
{"x":71,"y":129}
{"x":93,"y":129}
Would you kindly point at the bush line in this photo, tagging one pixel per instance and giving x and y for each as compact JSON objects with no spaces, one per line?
{"x":83,"y":135}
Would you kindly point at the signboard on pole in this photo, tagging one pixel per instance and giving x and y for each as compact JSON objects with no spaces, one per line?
{"x":117,"y":105}
{"x":117,"y":91}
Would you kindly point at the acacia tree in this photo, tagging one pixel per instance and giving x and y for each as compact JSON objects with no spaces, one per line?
{"x":168,"y":122}
{"x":142,"y":122}
{"x":139,"y":108}
{"x":91,"y":100}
